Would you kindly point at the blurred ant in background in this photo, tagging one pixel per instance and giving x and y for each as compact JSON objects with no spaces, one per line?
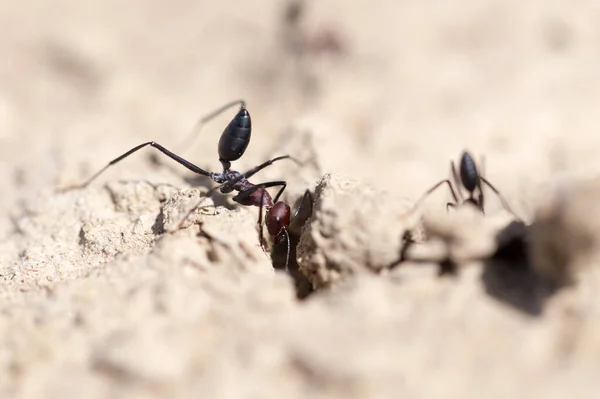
{"x":471,"y":180}
{"x":301,"y":43}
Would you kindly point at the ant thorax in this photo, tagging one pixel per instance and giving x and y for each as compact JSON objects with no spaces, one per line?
{"x":233,"y":175}
{"x":222,"y":177}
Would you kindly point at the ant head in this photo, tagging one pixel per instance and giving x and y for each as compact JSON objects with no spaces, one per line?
{"x":277,"y":219}
{"x":235,"y":137}
{"x":468,"y":172}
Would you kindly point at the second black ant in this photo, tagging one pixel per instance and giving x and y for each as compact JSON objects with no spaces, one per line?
{"x":471,"y":180}
{"x":232,"y":145}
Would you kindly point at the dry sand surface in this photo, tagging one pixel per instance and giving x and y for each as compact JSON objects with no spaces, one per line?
{"x":100,"y":299}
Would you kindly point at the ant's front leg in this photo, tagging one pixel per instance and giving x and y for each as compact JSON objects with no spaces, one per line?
{"x":244,"y":198}
{"x":431,"y":190}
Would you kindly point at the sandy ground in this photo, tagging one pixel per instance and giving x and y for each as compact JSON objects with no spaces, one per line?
{"x":377,"y":98}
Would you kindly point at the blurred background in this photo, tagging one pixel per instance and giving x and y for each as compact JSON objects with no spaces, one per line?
{"x":386,"y":92}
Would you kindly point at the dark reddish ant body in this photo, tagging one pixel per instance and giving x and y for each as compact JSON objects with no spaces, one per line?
{"x":232,"y":145}
{"x":471,"y":180}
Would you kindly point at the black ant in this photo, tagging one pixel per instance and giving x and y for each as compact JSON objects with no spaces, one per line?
{"x":471,"y":180}
{"x":232,"y":145}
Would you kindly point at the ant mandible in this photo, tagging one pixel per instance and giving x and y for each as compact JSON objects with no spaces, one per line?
{"x":232,"y":145}
{"x":471,"y":180}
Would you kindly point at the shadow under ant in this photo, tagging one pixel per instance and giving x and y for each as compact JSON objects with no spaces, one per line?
{"x":197,"y":181}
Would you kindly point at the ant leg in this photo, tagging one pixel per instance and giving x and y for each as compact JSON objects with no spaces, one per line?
{"x":242,"y":195}
{"x":481,"y":174}
{"x":159,"y":147}
{"x":262,"y":198}
{"x":502,"y":200}
{"x":246,"y":193}
{"x":261,"y":238}
{"x":432,"y":189}
{"x":287,"y":255}
{"x":263,"y":165}
{"x":480,"y":201}
{"x":457,"y":182}
{"x":189,"y":141}
{"x":303,"y":212}
{"x":306,"y":199}
{"x":276,"y":199}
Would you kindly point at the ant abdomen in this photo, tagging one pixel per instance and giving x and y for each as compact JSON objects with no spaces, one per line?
{"x":235,"y":137}
{"x":468,"y":172}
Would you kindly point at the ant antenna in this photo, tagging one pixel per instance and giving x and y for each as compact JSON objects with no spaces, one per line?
{"x":289,"y":248}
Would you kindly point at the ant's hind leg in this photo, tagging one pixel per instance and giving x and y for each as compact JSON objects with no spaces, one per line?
{"x":432,"y":189}
{"x":261,"y":237}
{"x":457,"y":183}
{"x":501,"y":197}
{"x":159,"y":147}
{"x":263,"y":165}
{"x":191,"y":138}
